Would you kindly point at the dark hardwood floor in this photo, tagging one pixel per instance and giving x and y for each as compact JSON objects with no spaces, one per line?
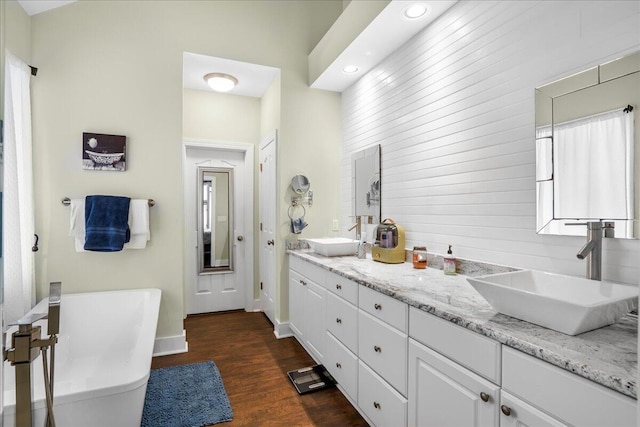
{"x":254,"y":364}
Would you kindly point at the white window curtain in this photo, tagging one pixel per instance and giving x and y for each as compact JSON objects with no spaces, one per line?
{"x":588,"y":153}
{"x":18,"y":211}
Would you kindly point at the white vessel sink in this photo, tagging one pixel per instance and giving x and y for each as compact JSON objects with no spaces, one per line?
{"x":567,"y":304}
{"x":334,"y":246}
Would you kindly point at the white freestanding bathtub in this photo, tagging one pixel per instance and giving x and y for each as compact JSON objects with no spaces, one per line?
{"x":102,"y":360}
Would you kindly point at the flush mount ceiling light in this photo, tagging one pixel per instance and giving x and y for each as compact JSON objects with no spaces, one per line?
{"x":350,"y":69}
{"x":220,"y":82}
{"x":416,"y":10}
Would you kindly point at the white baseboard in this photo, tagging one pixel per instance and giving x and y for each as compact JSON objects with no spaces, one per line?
{"x":282,"y":330}
{"x":165,"y":346}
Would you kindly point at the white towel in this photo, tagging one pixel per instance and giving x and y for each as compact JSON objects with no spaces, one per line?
{"x":76,"y":223}
{"x":138,"y":224}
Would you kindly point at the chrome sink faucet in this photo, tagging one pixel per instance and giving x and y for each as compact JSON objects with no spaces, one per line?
{"x":358,"y":224}
{"x":592,"y":250}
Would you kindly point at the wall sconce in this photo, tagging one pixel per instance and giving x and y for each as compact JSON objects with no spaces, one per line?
{"x":220,"y":82}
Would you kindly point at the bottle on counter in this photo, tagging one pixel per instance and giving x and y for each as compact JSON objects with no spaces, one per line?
{"x":449,"y":263}
{"x":362,"y":249}
{"x":420,"y":257}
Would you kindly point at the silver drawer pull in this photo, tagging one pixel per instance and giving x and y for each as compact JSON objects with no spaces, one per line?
{"x":338,"y":320}
{"x":338,"y":365}
{"x":377,"y":405}
{"x":338,"y":286}
{"x":377,"y":349}
{"x":484,"y":396}
{"x":505,"y":410}
{"x":377,"y":306}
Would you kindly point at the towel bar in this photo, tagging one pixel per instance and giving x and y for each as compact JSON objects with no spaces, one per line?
{"x":67,"y":201}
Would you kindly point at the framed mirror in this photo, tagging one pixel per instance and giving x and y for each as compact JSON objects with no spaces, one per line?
{"x":215,"y":220}
{"x":587,"y":150}
{"x":367,"y":185}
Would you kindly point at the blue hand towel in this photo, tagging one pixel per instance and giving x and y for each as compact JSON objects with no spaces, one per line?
{"x":297,"y":225}
{"x":106,"y":223}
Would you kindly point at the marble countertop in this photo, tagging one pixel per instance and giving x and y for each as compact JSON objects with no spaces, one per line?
{"x":607,"y":356}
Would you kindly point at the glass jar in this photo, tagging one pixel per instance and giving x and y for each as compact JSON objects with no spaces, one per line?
{"x":419,"y":257}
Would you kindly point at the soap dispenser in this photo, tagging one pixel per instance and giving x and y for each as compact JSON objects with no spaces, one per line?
{"x":362,"y":248}
{"x":449,"y":263}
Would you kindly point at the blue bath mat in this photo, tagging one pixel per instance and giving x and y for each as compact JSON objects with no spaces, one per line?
{"x":186,"y":396}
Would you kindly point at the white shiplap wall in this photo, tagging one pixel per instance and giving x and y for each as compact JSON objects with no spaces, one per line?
{"x":453,"y":110}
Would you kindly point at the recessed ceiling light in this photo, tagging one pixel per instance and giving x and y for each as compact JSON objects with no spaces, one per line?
{"x":416,"y":10}
{"x":350,"y":69}
{"x":220,"y":82}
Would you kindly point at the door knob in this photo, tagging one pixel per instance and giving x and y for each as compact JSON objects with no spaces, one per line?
{"x":270,"y":242}
{"x":240,"y":238}
{"x":484,"y":396}
{"x":505,"y":410}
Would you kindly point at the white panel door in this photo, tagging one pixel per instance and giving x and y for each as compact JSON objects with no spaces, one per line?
{"x":220,"y":291}
{"x":267,"y":225}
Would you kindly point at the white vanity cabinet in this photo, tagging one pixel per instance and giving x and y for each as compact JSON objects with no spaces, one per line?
{"x":382,"y":349}
{"x":402,"y":366}
{"x":442,"y":392}
{"x":307,"y":306}
{"x":567,"y":398}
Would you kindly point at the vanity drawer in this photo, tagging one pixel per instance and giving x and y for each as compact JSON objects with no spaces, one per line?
{"x":384,"y":307}
{"x":383,"y":405}
{"x":384,"y":349}
{"x":456,"y":342}
{"x":342,"y":364}
{"x":310,"y":271}
{"x":342,"y":321}
{"x":347,"y":289}
{"x":566,"y":396}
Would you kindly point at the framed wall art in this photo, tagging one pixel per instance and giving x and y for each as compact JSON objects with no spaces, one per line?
{"x":104,"y":152}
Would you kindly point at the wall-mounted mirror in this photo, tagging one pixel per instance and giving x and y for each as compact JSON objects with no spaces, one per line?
{"x":587,"y":150}
{"x":367,"y":186}
{"x":300,"y":184}
{"x":215,"y":220}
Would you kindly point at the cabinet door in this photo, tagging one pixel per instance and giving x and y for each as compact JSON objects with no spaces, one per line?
{"x":297,"y":290}
{"x":313,"y":310}
{"x":516,"y":413}
{"x":444,"y":394}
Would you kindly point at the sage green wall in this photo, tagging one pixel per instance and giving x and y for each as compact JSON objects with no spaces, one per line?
{"x":116,"y":67}
{"x":211,"y":116}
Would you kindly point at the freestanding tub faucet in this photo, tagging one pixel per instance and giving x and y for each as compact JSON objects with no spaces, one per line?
{"x":25,"y":348}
